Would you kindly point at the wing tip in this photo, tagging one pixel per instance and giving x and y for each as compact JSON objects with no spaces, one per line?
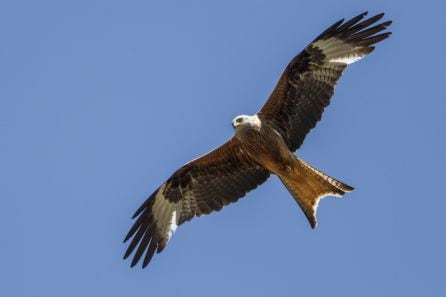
{"x":353,"y":26}
{"x":127,"y":254}
{"x":127,"y":237}
{"x":145,"y":204}
{"x":134,"y":262}
{"x":146,"y":249}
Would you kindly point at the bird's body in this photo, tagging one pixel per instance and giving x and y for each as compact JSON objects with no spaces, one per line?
{"x":263,"y":144}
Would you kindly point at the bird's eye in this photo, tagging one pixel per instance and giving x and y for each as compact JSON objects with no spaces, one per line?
{"x":239,"y":120}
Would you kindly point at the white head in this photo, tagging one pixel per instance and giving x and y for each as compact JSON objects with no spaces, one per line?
{"x":246,"y":121}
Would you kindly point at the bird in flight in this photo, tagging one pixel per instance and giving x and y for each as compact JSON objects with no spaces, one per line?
{"x":263,"y":143}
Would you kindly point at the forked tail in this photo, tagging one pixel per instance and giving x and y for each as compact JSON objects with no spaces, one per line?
{"x":308,"y":185}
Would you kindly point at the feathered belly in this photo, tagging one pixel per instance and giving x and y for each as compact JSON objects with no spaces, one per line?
{"x":267,"y":148}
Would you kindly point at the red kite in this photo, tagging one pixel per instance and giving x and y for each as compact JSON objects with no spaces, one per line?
{"x":263,"y":144}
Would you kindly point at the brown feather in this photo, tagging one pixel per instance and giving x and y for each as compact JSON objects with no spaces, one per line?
{"x":308,"y":185}
{"x":202,"y":186}
{"x":226,"y":174}
{"x":307,"y":84}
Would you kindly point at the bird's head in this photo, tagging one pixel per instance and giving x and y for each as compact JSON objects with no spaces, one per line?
{"x":245,"y":120}
{"x":238,"y":120}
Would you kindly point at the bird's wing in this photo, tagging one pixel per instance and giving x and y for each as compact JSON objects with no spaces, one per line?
{"x":308,"y":82}
{"x":201,"y":186}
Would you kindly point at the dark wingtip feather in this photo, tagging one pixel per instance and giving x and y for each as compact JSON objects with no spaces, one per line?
{"x":127,"y":254}
{"x":353,"y":21}
{"x":145,"y":204}
{"x":150,"y":252}
{"x":363,"y":33}
{"x":129,"y":251}
{"x":364,"y":24}
{"x":132,"y":231}
{"x":142,"y":247}
{"x":372,"y":19}
{"x":379,"y":15}
{"x":387,"y":24}
{"x":141,"y":208}
{"x":144,"y":218}
{"x":353,"y":29}
{"x":329,"y":30}
{"x":141,"y":231}
{"x":374,"y":39}
{"x":129,"y":235}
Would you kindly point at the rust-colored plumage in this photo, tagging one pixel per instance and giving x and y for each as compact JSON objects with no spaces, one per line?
{"x":263,"y":144}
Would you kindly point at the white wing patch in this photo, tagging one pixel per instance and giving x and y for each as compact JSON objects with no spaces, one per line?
{"x":166,"y":213}
{"x":348,"y":59}
{"x":173,"y":224}
{"x":338,"y":51}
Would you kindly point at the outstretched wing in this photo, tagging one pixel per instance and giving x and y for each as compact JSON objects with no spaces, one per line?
{"x":308,"y":82}
{"x":203,"y":185}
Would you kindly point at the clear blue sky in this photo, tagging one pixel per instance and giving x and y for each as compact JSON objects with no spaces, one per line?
{"x":100,"y":101}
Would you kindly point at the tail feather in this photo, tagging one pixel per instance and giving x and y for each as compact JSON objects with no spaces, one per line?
{"x":320,"y":175}
{"x":308,"y":185}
